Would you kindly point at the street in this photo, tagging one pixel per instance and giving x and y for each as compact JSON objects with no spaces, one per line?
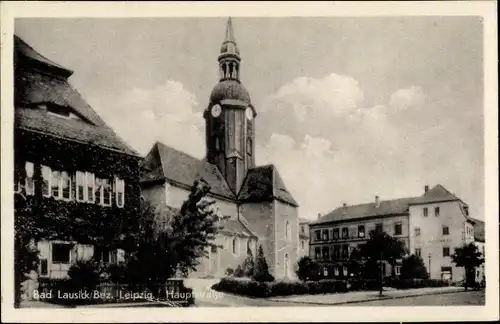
{"x":450,"y":299}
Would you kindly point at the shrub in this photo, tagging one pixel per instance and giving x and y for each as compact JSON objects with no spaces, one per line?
{"x":254,"y":288}
{"x":261,"y":273}
{"x":229,"y":271}
{"x":413,"y":268}
{"x":307,"y":269}
{"x":416,"y":283}
{"x":238,"y":272}
{"x":360,"y":284}
{"x":85,"y":274}
{"x":249,"y":264}
{"x":116,"y":273}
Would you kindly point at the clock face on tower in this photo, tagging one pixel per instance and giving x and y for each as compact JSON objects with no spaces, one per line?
{"x":216,"y":110}
{"x":249,"y":113}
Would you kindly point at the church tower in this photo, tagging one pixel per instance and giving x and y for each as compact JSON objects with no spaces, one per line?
{"x":230,"y":118}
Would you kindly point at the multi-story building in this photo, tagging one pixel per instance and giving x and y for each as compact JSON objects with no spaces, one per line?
{"x":260,"y":210}
{"x":303,"y":237}
{"x":430,"y":225}
{"x":72,"y":171}
{"x":479,"y":241}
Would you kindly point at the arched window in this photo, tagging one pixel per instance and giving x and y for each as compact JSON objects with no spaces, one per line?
{"x":235,"y":245}
{"x":249,"y":146}
{"x":287,"y":265}
{"x":287,"y":230}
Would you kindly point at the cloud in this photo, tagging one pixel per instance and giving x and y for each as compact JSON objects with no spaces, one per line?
{"x":329,"y":148}
{"x":165,"y":113}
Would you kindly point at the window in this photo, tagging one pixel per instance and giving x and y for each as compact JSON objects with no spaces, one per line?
{"x":55,"y":189}
{"x":336,"y":233}
{"x":326,"y":252}
{"x":361,"y":231}
{"x":120,"y":192}
{"x":398,"y":229}
{"x":249,"y":146}
{"x":46,"y":181}
{"x":65,"y":186}
{"x":345,"y":232}
{"x":44,"y":267}
{"x":345,"y":251}
{"x":417,"y":231}
{"x":446,"y":230}
{"x":235,"y":245}
{"x":397,"y":270}
{"x":17,"y":183}
{"x":318,"y":235}
{"x":80,"y":186}
{"x":426,"y":212}
{"x":436,"y":211}
{"x":336,"y":271}
{"x":30,"y":182}
{"x":90,"y":183}
{"x":378,"y":228}
{"x":61,"y":253}
{"x":446,"y":251}
{"x":97,"y":190}
{"x":287,"y":230}
{"x":325,"y":235}
{"x":336,"y":252}
{"x":106,"y":192}
{"x":302,"y":244}
{"x":317,"y":253}
{"x":466,"y":209}
{"x":418,"y":252}
{"x":302,"y":229}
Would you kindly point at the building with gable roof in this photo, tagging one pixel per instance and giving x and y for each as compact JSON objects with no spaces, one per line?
{"x":430,"y":225}
{"x":262,"y":212}
{"x":69,"y":167}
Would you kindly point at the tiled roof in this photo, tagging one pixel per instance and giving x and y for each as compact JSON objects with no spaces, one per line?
{"x":33,"y":88}
{"x":38,"y":120}
{"x":436,"y":194}
{"x":235,"y":227}
{"x":21,"y":48}
{"x":387,"y":207}
{"x":263,"y":184}
{"x":184,"y":169}
{"x":478,"y":230}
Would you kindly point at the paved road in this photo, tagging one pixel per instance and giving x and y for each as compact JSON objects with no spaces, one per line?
{"x":457,"y":298}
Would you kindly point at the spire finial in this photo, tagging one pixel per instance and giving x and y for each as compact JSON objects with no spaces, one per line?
{"x":229,"y":45}
{"x":229,"y":31}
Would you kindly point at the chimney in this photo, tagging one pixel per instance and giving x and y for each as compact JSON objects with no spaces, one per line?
{"x":319,"y":215}
{"x":377,"y":201}
{"x":426,"y":188}
{"x":344,"y":209}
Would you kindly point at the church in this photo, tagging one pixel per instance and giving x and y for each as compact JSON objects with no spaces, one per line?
{"x":261,"y":211}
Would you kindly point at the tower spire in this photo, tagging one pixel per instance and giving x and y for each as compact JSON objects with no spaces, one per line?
{"x":229,"y":58}
{"x":229,"y":32}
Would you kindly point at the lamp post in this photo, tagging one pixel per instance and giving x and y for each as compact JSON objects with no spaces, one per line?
{"x":381,"y":274}
{"x":429,"y":266}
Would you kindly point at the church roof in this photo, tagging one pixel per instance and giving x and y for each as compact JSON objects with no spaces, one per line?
{"x":40,"y":82}
{"x":184,"y":169}
{"x":387,"y":207}
{"x":229,"y":90}
{"x":264,"y":184}
{"x":235,"y":227}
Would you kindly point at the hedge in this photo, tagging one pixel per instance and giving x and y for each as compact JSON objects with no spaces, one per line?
{"x":253,"y":288}
{"x":416,"y":283}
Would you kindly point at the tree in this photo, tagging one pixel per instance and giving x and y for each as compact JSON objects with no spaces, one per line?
{"x":468,"y":257}
{"x":382,"y":246}
{"x":355,"y":262}
{"x":249,"y":264}
{"x":261,"y":273}
{"x":25,"y":253}
{"x":307,"y":269}
{"x":171,"y":243}
{"x":413,"y":268}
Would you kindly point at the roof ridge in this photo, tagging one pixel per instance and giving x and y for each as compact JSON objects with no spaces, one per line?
{"x":179,"y":151}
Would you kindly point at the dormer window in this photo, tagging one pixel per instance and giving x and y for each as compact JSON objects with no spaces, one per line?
{"x":58,"y":111}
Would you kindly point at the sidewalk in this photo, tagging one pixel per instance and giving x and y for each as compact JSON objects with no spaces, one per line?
{"x":362,"y":296}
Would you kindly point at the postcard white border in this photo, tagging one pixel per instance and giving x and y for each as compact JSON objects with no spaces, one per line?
{"x":486,"y":9}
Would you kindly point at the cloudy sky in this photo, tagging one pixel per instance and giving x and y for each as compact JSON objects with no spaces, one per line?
{"x":348,"y":108}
